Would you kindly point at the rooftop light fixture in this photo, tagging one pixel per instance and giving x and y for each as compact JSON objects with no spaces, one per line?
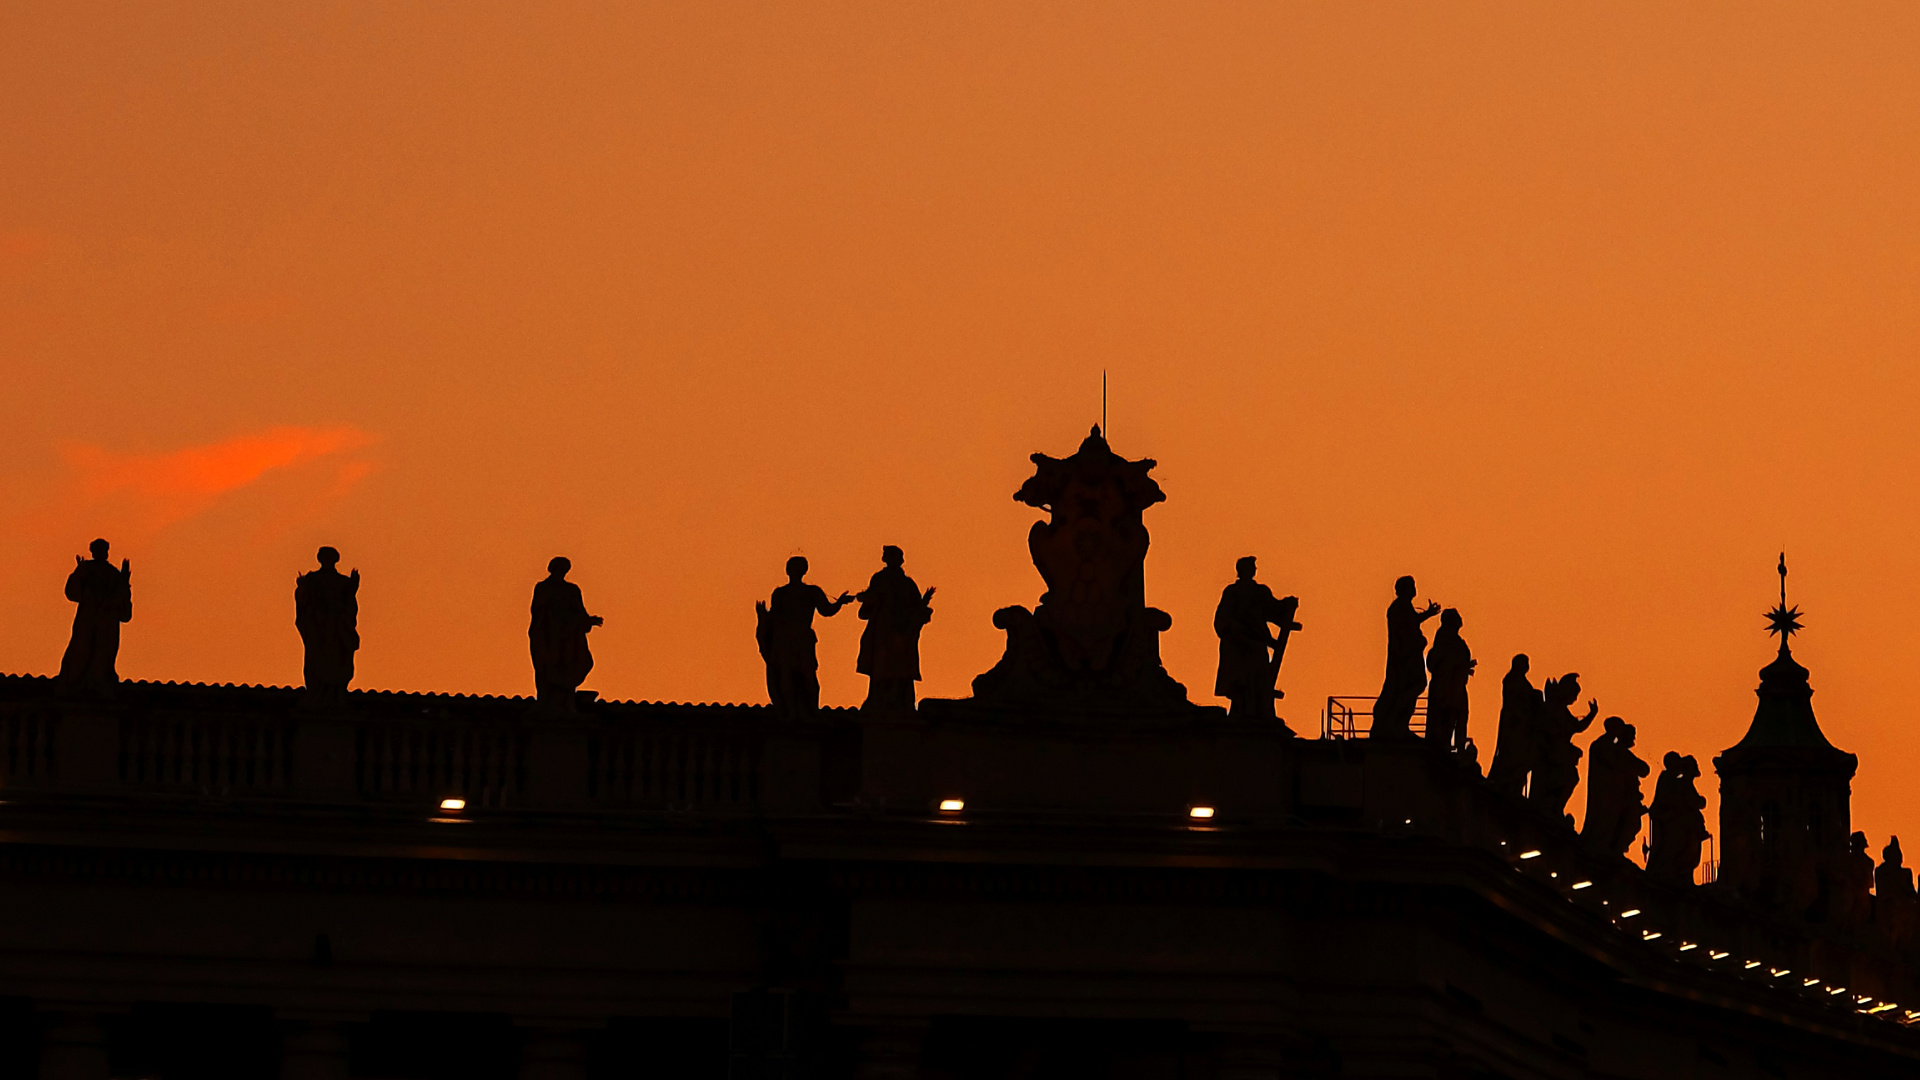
{"x":952,"y":806}
{"x":1200,"y":813}
{"x":1863,"y":999}
{"x":1532,"y":853}
{"x":1630,"y":913}
{"x":1882,"y":1007}
{"x":1808,"y":982}
{"x":453,"y":804}
{"x":1718,"y":954}
{"x":1649,"y":935}
{"x":1688,"y":946}
{"x":1750,"y":965}
{"x":1836,"y":990}
{"x":1583,"y":884}
{"x":1777,"y":972}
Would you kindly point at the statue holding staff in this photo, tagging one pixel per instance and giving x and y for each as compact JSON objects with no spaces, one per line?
{"x":104,"y":594}
{"x":1406,"y":676}
{"x":326,"y":611}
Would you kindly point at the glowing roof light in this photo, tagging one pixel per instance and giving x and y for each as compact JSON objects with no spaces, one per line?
{"x":1583,"y":884}
{"x":1630,"y":913}
{"x":1200,"y":813}
{"x":453,"y":804}
{"x":1532,"y":853}
{"x":952,"y":806}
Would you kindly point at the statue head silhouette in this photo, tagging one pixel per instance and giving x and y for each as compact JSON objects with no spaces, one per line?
{"x":1671,"y":762}
{"x":1450,"y":620}
{"x":892,"y":555}
{"x":1857,"y":843}
{"x":797,"y":567}
{"x":99,"y":550}
{"x":1890,"y":855}
{"x":1404,"y":588}
{"x":1244,"y":567}
{"x":1521,"y":664}
{"x":1564,"y":690}
{"x":328,"y":556}
{"x":559,"y":565}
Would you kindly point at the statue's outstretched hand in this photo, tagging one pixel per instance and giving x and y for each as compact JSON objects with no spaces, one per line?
{"x":595,"y":620}
{"x":1433,"y":608}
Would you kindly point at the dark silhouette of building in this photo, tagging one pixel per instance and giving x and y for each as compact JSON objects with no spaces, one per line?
{"x":214,"y":882}
{"x":1785,"y":792}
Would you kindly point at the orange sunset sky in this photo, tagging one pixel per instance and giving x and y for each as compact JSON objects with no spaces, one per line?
{"x":1578,"y":313}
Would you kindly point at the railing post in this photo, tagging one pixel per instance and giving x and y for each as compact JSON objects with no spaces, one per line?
{"x":323,"y":757}
{"x":87,"y":747}
{"x":557,"y":762}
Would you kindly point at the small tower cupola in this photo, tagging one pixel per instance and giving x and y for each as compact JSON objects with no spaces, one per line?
{"x":1785,"y":791}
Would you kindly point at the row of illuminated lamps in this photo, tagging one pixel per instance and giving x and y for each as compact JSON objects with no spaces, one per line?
{"x":955,"y":806}
{"x":1863,"y":1003}
{"x":947,"y":806}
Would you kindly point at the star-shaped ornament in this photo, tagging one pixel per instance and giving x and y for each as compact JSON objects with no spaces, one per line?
{"x":1783,"y":620}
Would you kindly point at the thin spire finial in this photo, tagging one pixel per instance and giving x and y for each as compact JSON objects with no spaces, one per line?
{"x":1783,"y":620}
{"x":1103,"y":405}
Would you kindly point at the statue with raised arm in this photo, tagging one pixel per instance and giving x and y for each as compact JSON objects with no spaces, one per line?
{"x":1614,"y":806}
{"x":1513,"y":752}
{"x":1677,"y":822}
{"x":104,"y":595}
{"x":1556,"y":762}
{"x":1406,"y":675}
{"x":557,"y":638}
{"x":1449,"y":665}
{"x":1250,"y":654}
{"x":788,"y":643}
{"x":326,"y":611}
{"x":894,"y":610}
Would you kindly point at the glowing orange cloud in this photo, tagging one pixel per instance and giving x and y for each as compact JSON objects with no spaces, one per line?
{"x":180,"y":483}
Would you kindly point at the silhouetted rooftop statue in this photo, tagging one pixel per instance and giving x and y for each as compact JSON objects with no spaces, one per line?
{"x":105,"y":598}
{"x":1406,"y":676}
{"x":1676,"y":824}
{"x":326,"y":611}
{"x":1556,"y":761}
{"x":1092,"y":644}
{"x":784,"y":631}
{"x":1894,"y":902}
{"x":1250,"y":654}
{"x":557,"y":637}
{"x":1614,"y":806}
{"x":1513,"y":753}
{"x":1449,"y":665}
{"x":894,"y":609}
{"x":1856,"y":883}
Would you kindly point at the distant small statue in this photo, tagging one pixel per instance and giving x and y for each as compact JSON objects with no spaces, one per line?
{"x":1856,"y":883}
{"x":1556,"y":763}
{"x":1894,"y":901}
{"x":1677,"y":822}
{"x":787,"y":641}
{"x":1614,"y":806}
{"x":1250,"y":654}
{"x":1406,"y":676}
{"x":557,"y":637}
{"x":1513,"y":749}
{"x":326,"y":611}
{"x":105,"y":598}
{"x":894,"y":609}
{"x":1449,"y":665}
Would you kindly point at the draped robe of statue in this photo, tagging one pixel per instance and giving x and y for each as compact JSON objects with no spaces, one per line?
{"x":326,"y":609}
{"x":1513,"y":754}
{"x":1676,"y":823}
{"x":1406,"y":675}
{"x":104,"y":594}
{"x":1614,"y":806}
{"x":1556,"y":763}
{"x":1250,"y":654}
{"x":1449,"y":665}
{"x":557,"y":638}
{"x":789,"y":646}
{"x":894,"y":610}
